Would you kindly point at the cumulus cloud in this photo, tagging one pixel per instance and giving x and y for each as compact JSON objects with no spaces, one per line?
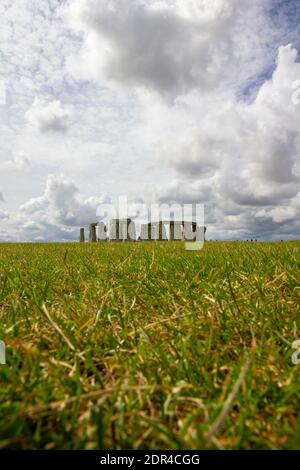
{"x":172,"y":97}
{"x":244,"y":155}
{"x":47,"y":116}
{"x":169,"y":47}
{"x":55,"y":215}
{"x":20,"y":163}
{"x":61,"y":204}
{"x":283,"y":213}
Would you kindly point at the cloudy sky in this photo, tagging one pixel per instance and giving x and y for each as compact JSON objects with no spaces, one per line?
{"x":159,"y":100}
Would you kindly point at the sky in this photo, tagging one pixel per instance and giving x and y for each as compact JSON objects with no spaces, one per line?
{"x":187,"y":101}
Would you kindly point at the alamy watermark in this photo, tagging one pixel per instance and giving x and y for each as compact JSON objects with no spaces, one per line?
{"x":296,"y":354}
{"x":2,"y":353}
{"x":153,"y":222}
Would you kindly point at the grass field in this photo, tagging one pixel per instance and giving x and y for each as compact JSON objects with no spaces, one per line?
{"x":144,"y":345}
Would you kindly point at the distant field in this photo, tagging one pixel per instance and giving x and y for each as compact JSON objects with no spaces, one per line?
{"x":144,"y":345}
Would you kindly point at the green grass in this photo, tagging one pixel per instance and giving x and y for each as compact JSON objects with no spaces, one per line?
{"x":144,"y":345}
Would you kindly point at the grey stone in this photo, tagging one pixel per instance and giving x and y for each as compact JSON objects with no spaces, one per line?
{"x":102,"y":236}
{"x":122,"y":230}
{"x":93,"y":236}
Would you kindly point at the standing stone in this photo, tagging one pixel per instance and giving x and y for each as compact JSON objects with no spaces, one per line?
{"x":172,"y":231}
{"x":114,"y":230}
{"x":127,"y":230}
{"x":122,"y":230}
{"x":154,"y":230}
{"x":93,"y":236}
{"x":144,"y":232}
{"x":162,"y":232}
{"x":81,"y":238}
{"x":178,"y":232}
{"x":151,"y":232}
{"x":131,"y":231}
{"x":102,"y":237}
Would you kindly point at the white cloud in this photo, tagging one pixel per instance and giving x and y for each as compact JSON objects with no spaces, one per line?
{"x":20,"y":163}
{"x":61,"y":204}
{"x":174,"y":98}
{"x":289,"y":212}
{"x":47,"y":116}
{"x":242,"y":156}
{"x":55,"y":215}
{"x":170,"y":47}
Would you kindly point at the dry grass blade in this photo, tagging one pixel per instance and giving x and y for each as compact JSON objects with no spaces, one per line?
{"x":56,"y":327}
